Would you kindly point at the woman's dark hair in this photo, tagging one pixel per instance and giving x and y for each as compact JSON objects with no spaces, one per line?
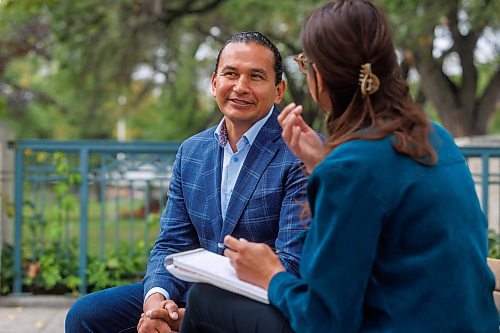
{"x":260,"y":39}
{"x":340,"y":37}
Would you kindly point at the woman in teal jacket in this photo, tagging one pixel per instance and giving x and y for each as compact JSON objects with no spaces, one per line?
{"x":397,"y":242}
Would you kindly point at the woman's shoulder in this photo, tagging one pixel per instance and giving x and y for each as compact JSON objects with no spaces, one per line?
{"x":361,"y":159}
{"x":361,"y":151}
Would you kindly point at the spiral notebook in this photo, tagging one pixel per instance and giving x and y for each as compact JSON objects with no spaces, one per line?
{"x":200,"y":265}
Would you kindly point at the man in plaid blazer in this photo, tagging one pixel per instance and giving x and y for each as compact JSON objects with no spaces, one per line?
{"x":238,"y":178}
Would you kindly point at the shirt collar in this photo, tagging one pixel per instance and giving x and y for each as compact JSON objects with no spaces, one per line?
{"x":220,"y":133}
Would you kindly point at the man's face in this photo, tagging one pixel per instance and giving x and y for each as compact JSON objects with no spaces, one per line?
{"x":244,"y":85}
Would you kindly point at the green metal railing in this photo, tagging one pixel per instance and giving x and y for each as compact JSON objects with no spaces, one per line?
{"x":484,"y":163}
{"x":95,"y":173}
{"x":111,"y":186}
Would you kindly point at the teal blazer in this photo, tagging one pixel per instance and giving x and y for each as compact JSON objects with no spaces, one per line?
{"x":394,"y":246}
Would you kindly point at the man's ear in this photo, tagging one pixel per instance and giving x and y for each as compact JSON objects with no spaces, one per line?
{"x":280,"y":92}
{"x":214,"y":83}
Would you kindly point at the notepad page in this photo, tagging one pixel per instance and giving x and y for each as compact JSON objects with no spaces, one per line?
{"x":218,"y":267}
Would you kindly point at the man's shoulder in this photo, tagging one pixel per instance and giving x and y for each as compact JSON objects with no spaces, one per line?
{"x":201,"y":137}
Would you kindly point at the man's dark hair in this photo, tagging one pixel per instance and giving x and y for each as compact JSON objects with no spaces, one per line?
{"x":258,"y":38}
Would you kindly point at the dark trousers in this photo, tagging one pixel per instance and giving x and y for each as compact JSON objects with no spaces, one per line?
{"x":213,"y":310}
{"x":113,"y":310}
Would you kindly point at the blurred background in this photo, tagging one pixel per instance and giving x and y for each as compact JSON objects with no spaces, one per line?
{"x":140,"y":69}
{"x":79,"y":216}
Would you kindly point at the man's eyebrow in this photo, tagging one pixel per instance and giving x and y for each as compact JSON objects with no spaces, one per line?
{"x":253,"y":70}
{"x":259,"y":71}
{"x":230,"y":68}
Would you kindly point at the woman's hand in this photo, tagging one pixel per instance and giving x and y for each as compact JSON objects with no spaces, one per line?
{"x":254,"y":262}
{"x":303,"y":141}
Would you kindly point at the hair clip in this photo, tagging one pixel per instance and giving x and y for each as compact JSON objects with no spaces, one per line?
{"x":368,"y":81}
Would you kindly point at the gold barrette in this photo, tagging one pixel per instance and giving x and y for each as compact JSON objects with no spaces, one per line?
{"x":368,"y":81}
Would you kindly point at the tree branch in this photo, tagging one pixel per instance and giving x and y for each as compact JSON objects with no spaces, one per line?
{"x":38,"y":95}
{"x":290,"y":45}
{"x":169,"y":15}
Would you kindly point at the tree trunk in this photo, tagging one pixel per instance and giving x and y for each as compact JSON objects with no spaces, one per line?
{"x":462,"y":113}
{"x":462,"y":110}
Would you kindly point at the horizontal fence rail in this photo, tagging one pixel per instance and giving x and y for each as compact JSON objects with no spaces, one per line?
{"x":90,"y":197}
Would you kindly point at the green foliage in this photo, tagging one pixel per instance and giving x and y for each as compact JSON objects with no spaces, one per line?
{"x":118,"y":269}
{"x":442,"y":40}
{"x":179,"y":112}
{"x":495,"y":126}
{"x":50,"y":264}
{"x":493,"y":245}
{"x":7,"y":269}
{"x":78,"y":59}
{"x":55,"y":270}
{"x":51,"y":271}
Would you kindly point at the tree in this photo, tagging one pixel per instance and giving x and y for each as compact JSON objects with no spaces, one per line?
{"x":65,"y":65}
{"x":466,"y":101}
{"x":95,"y":49}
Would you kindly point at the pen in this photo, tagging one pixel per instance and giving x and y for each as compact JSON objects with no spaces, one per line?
{"x":225,"y":246}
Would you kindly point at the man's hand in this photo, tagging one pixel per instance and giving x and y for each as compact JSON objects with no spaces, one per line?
{"x":170,"y":313}
{"x":154,"y":325}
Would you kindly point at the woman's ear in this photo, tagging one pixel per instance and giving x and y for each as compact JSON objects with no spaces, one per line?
{"x":323,"y":96}
{"x":319,"y":79}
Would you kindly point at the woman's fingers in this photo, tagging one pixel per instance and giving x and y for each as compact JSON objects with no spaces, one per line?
{"x":289,"y":110}
{"x":287,"y":127}
{"x":231,"y":242}
{"x":293,"y":118}
{"x":286,"y":110}
{"x":295,"y":140}
{"x":301,"y":122}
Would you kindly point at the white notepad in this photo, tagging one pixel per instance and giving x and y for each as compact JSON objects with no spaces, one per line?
{"x":204,"y":266}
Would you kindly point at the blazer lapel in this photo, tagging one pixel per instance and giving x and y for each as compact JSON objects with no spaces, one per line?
{"x":212,"y":182}
{"x":260,"y":155}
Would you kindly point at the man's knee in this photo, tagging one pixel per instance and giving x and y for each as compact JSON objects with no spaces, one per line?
{"x":78,"y":316}
{"x":110,"y":310}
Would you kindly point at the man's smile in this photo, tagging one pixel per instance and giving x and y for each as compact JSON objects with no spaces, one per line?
{"x":240,"y":102}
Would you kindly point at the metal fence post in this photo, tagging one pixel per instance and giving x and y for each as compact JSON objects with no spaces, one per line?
{"x":18,"y":184}
{"x":485,"y":174}
{"x":84,"y":188}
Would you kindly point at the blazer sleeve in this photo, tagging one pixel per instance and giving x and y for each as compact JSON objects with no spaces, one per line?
{"x":292,"y":228}
{"x":176,"y":234}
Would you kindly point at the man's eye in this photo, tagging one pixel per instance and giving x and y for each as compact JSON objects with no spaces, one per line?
{"x":257,"y":77}
{"x":229,"y":74}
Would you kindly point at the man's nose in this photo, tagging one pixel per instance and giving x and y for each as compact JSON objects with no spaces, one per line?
{"x":242,"y":85}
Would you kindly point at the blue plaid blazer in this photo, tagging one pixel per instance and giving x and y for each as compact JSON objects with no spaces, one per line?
{"x":264,"y":207}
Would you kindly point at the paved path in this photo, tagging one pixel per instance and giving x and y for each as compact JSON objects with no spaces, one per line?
{"x":33,"y":314}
